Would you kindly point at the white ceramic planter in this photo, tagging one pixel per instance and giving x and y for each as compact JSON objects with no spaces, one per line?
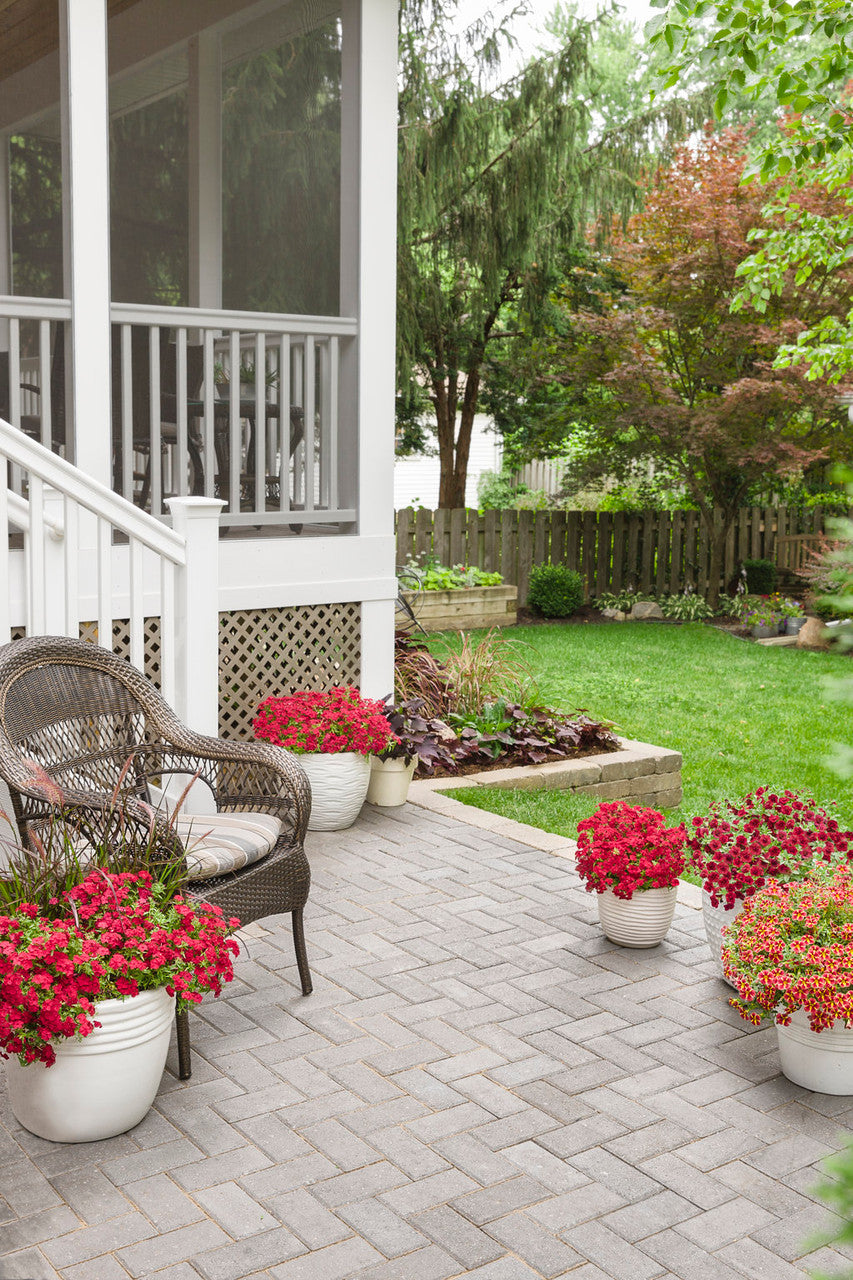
{"x":389,"y":781}
{"x":639,"y":921}
{"x":818,"y":1060}
{"x":715,"y":920}
{"x":102,"y":1085}
{"x":338,"y":788}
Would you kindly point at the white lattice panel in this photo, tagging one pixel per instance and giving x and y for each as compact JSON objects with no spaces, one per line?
{"x":264,"y":651}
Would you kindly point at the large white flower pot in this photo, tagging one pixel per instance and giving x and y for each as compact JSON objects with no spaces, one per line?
{"x":639,"y":921}
{"x":102,"y":1085}
{"x":818,"y":1060}
{"x":389,"y":781}
{"x":716,"y":919}
{"x":338,"y":788}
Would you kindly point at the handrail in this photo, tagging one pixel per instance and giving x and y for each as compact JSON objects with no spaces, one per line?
{"x":91,"y":494}
{"x":19,"y":517}
{"x":211,"y":318}
{"x":35,"y":308}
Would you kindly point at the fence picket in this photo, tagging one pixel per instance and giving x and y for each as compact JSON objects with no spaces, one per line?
{"x":457,"y":537}
{"x":491,"y":542}
{"x":676,"y":559}
{"x":525,"y":553}
{"x":604,"y":551}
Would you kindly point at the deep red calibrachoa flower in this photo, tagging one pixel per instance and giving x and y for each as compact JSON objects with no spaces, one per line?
{"x":791,"y":948}
{"x":338,"y":720}
{"x":113,"y":935}
{"x":766,"y":836}
{"x":627,"y":848}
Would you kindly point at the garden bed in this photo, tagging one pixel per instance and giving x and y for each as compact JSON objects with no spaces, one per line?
{"x":634,"y":771}
{"x":464,"y":608}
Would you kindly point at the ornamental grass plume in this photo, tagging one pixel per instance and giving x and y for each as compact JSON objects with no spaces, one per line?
{"x":337,"y":720}
{"x":765,"y":836}
{"x":791,"y":948}
{"x":629,"y":849}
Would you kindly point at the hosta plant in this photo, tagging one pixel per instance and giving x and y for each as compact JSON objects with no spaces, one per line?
{"x":768,"y":835}
{"x":628,"y":848}
{"x":791,"y":948}
{"x":687,"y":607}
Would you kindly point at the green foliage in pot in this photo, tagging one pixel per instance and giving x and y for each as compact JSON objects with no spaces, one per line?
{"x":555,"y":591}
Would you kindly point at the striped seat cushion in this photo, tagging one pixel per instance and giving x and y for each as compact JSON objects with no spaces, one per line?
{"x":221,"y":842}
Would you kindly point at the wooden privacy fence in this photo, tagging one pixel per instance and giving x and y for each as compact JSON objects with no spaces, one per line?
{"x":649,"y":551}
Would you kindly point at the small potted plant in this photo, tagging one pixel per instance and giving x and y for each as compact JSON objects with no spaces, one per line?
{"x":415,"y":738}
{"x":334,"y":735}
{"x":92,"y":961}
{"x":737,"y":848}
{"x":764,"y":621}
{"x":789,"y":955}
{"x":630,"y":858}
{"x":794,"y":615}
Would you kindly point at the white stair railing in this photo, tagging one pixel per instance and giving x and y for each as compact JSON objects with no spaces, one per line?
{"x":73,"y":551}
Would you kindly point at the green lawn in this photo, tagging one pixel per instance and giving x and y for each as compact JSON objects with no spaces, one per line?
{"x":742,"y":715}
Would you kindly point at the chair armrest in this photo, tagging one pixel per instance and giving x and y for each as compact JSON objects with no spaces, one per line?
{"x":250,"y":772}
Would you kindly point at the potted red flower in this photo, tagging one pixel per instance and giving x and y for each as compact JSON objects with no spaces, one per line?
{"x":334,"y":733}
{"x":738,"y":848}
{"x":630,"y":858}
{"x":789,"y":954}
{"x":88,"y":984}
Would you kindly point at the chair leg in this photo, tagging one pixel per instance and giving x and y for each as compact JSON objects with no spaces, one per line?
{"x":301,"y":953}
{"x":182,"y":1024}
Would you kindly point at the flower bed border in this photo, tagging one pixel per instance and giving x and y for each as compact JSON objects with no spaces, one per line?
{"x":638,"y":772}
{"x":462,"y":608}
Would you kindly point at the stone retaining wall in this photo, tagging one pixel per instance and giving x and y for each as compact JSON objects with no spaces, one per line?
{"x":638,"y":773}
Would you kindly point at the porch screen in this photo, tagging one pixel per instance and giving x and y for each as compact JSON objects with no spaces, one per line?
{"x":281,"y":128}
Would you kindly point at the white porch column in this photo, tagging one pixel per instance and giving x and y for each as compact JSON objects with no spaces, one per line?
{"x":377,"y":233}
{"x":86,"y":228}
{"x":205,"y":176}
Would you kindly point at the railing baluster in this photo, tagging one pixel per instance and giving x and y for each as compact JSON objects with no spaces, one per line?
{"x":72,"y":567}
{"x":235,"y":441}
{"x":45,"y":405}
{"x":284,"y":427}
{"x":181,"y":396}
{"x":156,"y":454}
{"x":127,"y":376}
{"x":310,"y":426}
{"x":260,"y":487}
{"x":298,"y":397}
{"x":105,"y":595}
{"x":208,"y":424}
{"x":136,"y":612}
{"x":168,"y":679}
{"x":333,"y":496}
{"x":16,"y":482}
{"x":36,"y":611}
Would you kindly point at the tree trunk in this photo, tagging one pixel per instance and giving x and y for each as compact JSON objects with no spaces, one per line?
{"x":454,"y":459}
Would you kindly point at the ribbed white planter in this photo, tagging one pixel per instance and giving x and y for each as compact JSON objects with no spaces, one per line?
{"x":102,"y":1085}
{"x":638,"y":921}
{"x":389,"y":781}
{"x":715,"y":920}
{"x":818,"y":1060}
{"x":338,"y":788}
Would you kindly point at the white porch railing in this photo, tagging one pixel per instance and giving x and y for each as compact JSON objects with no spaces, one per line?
{"x":73,"y":551}
{"x":190,"y":416}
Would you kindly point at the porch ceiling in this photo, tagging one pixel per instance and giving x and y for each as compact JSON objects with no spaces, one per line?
{"x":29,"y":29}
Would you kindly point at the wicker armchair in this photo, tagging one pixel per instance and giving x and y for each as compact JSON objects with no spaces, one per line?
{"x":80,"y":713}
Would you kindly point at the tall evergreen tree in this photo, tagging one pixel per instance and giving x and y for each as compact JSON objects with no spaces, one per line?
{"x":496,"y":182}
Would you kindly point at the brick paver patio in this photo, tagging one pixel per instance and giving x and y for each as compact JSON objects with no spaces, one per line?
{"x":481,"y":1085}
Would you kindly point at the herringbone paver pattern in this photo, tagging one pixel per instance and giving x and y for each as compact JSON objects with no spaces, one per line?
{"x":480,"y":1086}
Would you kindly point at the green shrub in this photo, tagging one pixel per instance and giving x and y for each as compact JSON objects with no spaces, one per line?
{"x":760,"y":577}
{"x":554,"y":590}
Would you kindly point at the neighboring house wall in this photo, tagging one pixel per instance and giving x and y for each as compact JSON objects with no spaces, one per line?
{"x":416,"y":479}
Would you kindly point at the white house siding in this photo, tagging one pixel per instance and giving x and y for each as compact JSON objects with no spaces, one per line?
{"x":416,"y":479}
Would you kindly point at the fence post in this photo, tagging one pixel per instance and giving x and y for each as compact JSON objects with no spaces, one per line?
{"x":196,"y":638}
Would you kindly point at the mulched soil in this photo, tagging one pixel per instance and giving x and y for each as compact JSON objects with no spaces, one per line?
{"x":508,"y":761}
